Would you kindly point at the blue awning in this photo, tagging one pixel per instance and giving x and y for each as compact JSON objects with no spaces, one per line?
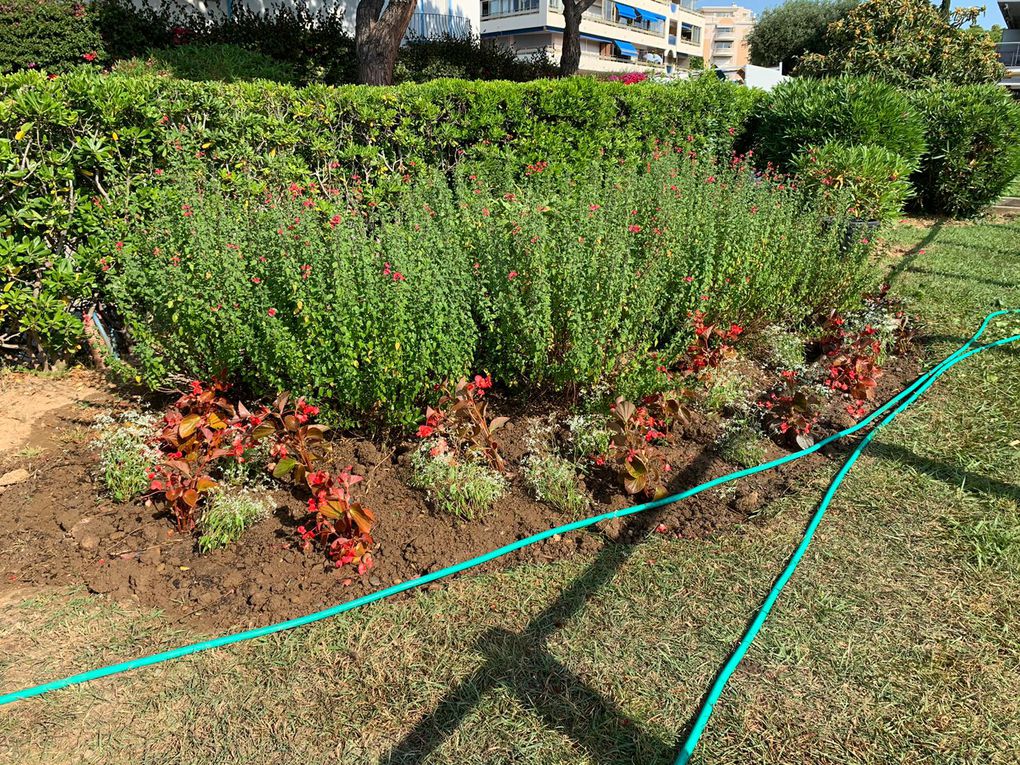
{"x":625,"y":48}
{"x":626,"y":11}
{"x":649,"y":16}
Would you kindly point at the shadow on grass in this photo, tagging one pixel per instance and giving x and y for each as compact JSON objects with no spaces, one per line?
{"x":519,"y":662}
{"x":950,"y":474}
{"x":912,"y":254}
{"x":962,"y":277}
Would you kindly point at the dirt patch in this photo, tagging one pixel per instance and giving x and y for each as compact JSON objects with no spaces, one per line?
{"x":28,"y":400}
{"x":57,"y":528}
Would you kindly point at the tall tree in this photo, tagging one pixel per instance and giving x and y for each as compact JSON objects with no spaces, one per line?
{"x":907,"y":43}
{"x":790,"y":31}
{"x":378,"y":29}
{"x":570,"y":58}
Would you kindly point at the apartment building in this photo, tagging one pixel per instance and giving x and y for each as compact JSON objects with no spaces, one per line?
{"x":1009,"y":48}
{"x":725,"y":37}
{"x":615,"y":37}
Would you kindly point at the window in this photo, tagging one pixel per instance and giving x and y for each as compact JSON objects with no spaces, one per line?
{"x":724,"y":30}
{"x":723,"y":45}
{"x":492,"y":9}
{"x":636,"y":18}
{"x":690,"y":33}
{"x":595,"y":10}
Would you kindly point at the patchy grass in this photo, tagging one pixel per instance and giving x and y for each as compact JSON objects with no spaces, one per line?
{"x":895,"y":642}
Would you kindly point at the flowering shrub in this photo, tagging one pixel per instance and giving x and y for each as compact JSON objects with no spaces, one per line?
{"x":612,"y":280}
{"x":80,"y":152}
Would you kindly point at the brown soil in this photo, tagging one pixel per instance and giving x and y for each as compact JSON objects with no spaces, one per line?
{"x":57,"y":528}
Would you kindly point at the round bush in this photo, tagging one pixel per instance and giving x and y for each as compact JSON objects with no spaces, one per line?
{"x":862,"y":181}
{"x":50,"y":35}
{"x":974,"y":152}
{"x":804,"y":112}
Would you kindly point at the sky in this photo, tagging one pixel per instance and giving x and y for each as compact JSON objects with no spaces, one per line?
{"x":992,"y":14}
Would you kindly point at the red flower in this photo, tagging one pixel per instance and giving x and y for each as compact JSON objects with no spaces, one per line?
{"x":512,"y":275}
{"x":271,"y":312}
{"x":424,"y":431}
{"x":634,"y":228}
{"x":91,"y":56}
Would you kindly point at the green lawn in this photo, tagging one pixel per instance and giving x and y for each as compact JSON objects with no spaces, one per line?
{"x":898,"y":641}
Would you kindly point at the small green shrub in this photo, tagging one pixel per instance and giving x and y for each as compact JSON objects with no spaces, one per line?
{"x":589,"y":435}
{"x":742,"y":444}
{"x":125,"y":456}
{"x":974,"y":153}
{"x":728,"y":390}
{"x":219,"y":63}
{"x":803,"y":112}
{"x":49,"y":35}
{"x":554,"y":481}
{"x":228,"y":515}
{"x":460,"y":488}
{"x":785,"y":349}
{"x":469,"y":59}
{"x":858,"y":180}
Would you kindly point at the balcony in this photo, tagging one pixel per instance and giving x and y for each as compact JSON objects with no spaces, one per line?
{"x":1009,"y":54}
{"x":434,"y":26}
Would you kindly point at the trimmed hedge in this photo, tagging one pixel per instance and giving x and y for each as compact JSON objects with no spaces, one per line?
{"x":804,"y":112}
{"x":82,"y":149}
{"x":973,"y":135}
{"x":52,"y":35}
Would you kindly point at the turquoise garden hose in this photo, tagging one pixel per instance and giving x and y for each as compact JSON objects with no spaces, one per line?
{"x":893,"y":407}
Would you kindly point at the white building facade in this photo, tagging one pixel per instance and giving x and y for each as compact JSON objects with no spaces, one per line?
{"x":431,"y":19}
{"x":616,"y":37}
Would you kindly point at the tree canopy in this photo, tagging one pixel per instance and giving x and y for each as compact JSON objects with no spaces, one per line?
{"x":797,"y":27}
{"x":906,"y":43}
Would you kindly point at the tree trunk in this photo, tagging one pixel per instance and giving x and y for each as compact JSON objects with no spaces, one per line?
{"x":377,"y":36}
{"x":946,"y":9}
{"x":570,"y":58}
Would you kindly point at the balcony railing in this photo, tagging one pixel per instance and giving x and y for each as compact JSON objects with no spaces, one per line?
{"x":432,"y":26}
{"x":1009,"y":53}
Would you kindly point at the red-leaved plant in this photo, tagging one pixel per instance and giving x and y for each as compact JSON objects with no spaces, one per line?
{"x":852,"y":358}
{"x":639,"y":463}
{"x":341,"y":526}
{"x":792,"y":409}
{"x":712,"y":345}
{"x":200,"y":428}
{"x":462,"y":423}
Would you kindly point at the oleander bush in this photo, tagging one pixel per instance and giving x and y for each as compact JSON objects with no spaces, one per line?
{"x":852,"y":110}
{"x":973,"y":149}
{"x":364,"y":307}
{"x":83,"y":151}
{"x":859,"y":180}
